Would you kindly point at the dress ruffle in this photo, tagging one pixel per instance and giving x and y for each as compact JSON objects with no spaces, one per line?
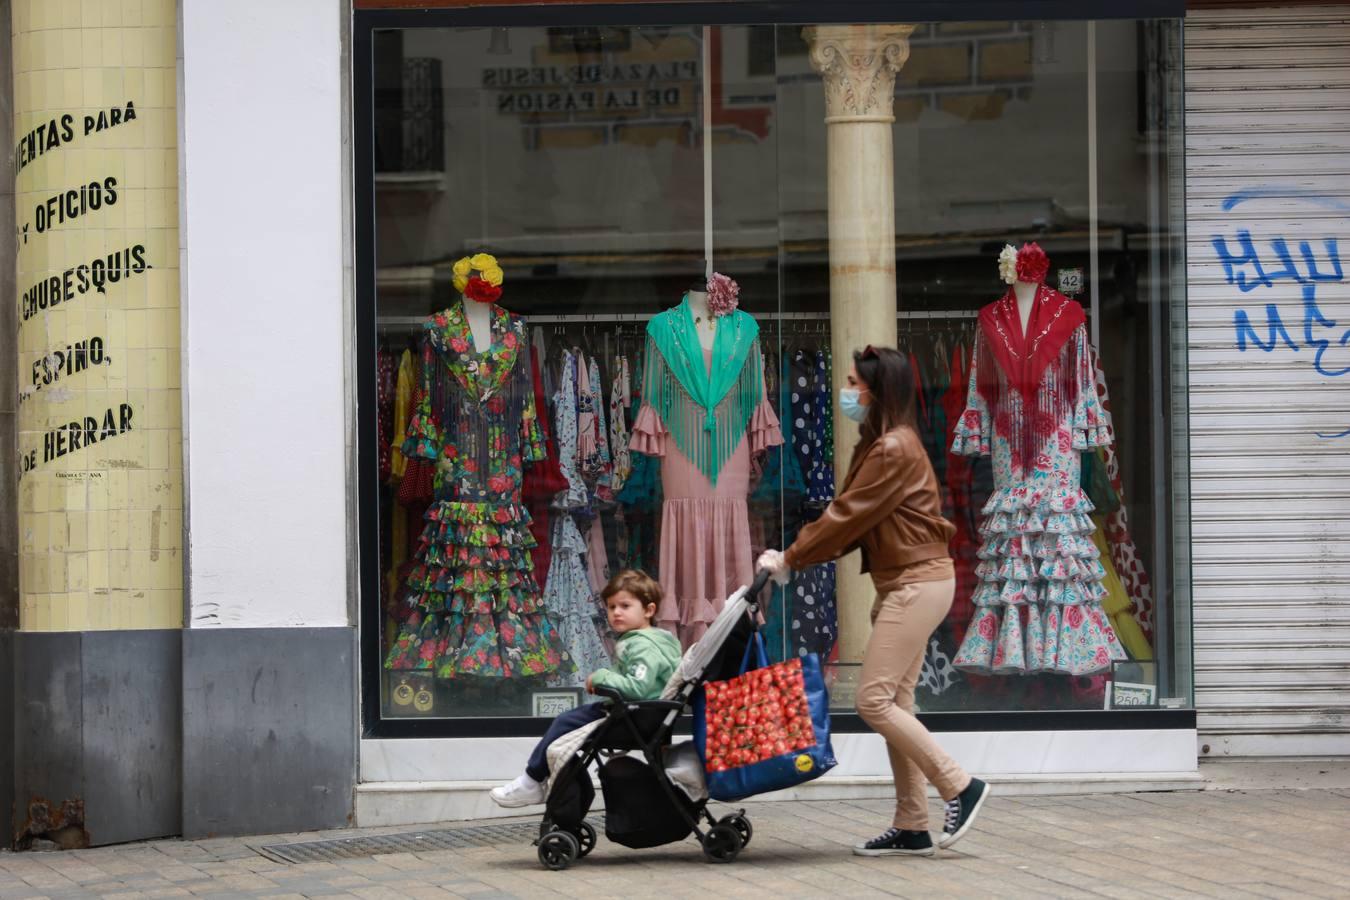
{"x":649,"y":433}
{"x":1038,"y":603}
{"x":472,"y":602}
{"x":705,"y":553}
{"x":972,"y":433}
{"x":765,"y":430}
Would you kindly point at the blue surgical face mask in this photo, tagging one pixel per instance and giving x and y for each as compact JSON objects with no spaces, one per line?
{"x":850,"y":406}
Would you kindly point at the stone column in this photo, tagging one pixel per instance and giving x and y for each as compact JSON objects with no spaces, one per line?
{"x":858,"y":64}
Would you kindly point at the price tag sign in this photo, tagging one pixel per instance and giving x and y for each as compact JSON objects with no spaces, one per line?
{"x":1071,"y":281}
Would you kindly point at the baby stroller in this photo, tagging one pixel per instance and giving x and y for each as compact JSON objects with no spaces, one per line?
{"x":643,"y":806}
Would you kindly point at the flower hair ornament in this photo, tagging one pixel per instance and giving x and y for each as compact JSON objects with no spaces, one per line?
{"x":723,"y":295}
{"x":1007,"y":264}
{"x":1032,"y":263}
{"x":479,"y":278}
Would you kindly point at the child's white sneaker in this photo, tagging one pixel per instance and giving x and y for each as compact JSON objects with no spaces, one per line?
{"x":524,"y":791}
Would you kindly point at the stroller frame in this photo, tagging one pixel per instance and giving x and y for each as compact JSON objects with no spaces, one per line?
{"x":647,"y":725}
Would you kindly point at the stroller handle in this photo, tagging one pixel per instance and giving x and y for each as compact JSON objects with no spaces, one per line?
{"x":761,"y":579}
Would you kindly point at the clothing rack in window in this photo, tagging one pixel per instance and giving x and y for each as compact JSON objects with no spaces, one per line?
{"x":606,"y":318}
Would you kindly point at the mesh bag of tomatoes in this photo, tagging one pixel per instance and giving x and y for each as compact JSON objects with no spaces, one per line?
{"x":764,"y":730}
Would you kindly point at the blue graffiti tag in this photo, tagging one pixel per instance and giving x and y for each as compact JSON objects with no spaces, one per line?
{"x":1308,"y":266}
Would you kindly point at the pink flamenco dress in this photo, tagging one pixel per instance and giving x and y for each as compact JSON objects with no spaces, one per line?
{"x":1033,"y":407}
{"x":705,"y":434}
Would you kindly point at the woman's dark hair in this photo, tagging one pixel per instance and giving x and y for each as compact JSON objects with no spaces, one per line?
{"x":886,"y":374}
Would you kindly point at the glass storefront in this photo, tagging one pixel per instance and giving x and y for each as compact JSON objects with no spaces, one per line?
{"x":527,"y":438}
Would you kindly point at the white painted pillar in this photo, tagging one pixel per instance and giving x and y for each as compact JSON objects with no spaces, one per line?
{"x":858,"y":64}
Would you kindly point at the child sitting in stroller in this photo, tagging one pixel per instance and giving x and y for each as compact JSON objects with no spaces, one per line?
{"x":647,"y":656}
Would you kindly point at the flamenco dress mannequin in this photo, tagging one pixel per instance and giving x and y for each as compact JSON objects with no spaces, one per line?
{"x":472,"y":600}
{"x":704,"y":412}
{"x":1032,"y":405}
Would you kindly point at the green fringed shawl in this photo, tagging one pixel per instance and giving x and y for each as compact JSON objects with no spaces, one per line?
{"x":705,"y":412}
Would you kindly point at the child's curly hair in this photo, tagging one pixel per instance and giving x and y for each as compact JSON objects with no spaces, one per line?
{"x":636,"y":582}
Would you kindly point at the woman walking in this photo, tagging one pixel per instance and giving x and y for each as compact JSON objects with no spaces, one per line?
{"x":889,"y":508}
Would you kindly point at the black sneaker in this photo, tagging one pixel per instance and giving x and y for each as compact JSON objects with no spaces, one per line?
{"x":961,"y":812}
{"x":897,"y":843}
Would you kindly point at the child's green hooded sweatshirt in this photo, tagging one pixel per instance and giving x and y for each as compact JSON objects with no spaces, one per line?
{"x":647,"y":657}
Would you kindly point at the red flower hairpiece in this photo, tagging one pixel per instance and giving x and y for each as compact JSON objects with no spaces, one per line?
{"x":480,"y":291}
{"x":723,"y":294}
{"x":1032,"y":263}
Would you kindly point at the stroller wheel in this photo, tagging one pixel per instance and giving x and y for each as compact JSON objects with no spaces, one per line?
{"x":585,"y":836}
{"x":742,"y":825}
{"x":722,"y":844}
{"x":558,"y":850}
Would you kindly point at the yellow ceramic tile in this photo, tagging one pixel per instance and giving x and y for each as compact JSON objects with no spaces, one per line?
{"x":40,"y":616}
{"x":138,"y":495}
{"x":76,"y":497}
{"x":56,"y":572}
{"x":77,"y":571}
{"x":77,"y":603}
{"x":59,"y":616}
{"x":97,"y":569}
{"x":97,"y":614}
{"x":77,"y":531}
{"x":140,"y":568}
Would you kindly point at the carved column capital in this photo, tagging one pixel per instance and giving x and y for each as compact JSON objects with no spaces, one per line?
{"x":858,"y":64}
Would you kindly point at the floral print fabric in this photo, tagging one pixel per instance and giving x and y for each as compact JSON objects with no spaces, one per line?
{"x":620,"y":396}
{"x":1038,"y":603}
{"x":570,"y":603}
{"x":471,"y":599}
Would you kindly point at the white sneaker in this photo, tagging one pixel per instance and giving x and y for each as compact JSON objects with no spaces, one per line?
{"x":524,"y":791}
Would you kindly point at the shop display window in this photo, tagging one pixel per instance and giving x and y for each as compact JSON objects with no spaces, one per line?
{"x":556,"y":386}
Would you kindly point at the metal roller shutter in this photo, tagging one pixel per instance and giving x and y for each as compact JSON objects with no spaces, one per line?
{"x":1268,"y":156}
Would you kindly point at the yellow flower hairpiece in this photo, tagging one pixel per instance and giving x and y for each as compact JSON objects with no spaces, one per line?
{"x":483,"y":263}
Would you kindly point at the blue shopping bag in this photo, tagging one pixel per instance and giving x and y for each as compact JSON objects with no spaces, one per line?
{"x":766,"y":729}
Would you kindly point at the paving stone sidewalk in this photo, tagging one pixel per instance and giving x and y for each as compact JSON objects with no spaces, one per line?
{"x":1215,"y":843}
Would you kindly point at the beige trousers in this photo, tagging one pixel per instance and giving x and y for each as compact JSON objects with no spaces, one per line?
{"x":902,"y":621}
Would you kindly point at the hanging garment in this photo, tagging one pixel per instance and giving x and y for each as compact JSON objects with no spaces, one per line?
{"x":570,"y":604}
{"x":777,"y":499}
{"x":640,"y":505}
{"x":821,"y":478}
{"x":1116,"y":604}
{"x":474,"y":605}
{"x":385,"y":380}
{"x":567,"y":423}
{"x":813,"y":597}
{"x":620,"y":397}
{"x":403,"y":407}
{"x":398,"y":514}
{"x":1124,"y":554}
{"x":544,"y":480}
{"x":597,"y":557}
{"x":964,"y":545}
{"x":704,"y":420}
{"x":602,"y":468}
{"x":1033,"y":407}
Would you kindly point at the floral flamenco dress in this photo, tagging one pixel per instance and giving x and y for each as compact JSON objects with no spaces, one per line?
{"x":1033,"y":405}
{"x":474,"y":607}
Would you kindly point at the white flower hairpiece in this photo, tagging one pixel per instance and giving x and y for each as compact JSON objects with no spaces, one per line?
{"x":1007,"y":264}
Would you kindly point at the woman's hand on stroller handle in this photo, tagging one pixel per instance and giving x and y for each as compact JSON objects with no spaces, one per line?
{"x":773,"y":564}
